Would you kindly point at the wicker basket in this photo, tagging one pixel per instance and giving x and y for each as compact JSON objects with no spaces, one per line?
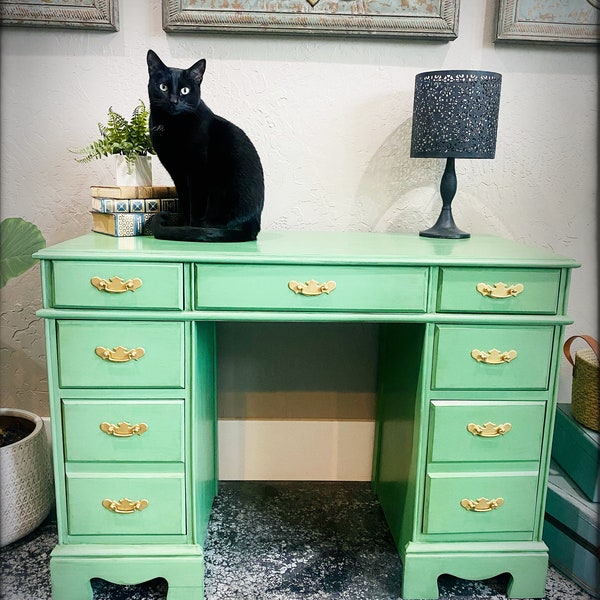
{"x":585,"y":399}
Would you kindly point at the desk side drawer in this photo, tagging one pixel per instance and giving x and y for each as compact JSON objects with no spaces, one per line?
{"x":498,"y":290}
{"x":447,"y":494}
{"x":470,"y":357}
{"x":115,"y":354}
{"x":163,"y":515}
{"x":124,"y":430}
{"x":82,"y":284}
{"x":286,"y":287}
{"x":472,"y":431}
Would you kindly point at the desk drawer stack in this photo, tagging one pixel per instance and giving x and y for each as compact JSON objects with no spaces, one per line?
{"x":487,"y":408}
{"x":116,"y":480}
{"x":121,"y":413}
{"x":489,"y":395}
{"x":470,"y":332}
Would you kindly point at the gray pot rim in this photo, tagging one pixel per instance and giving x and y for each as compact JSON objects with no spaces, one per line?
{"x":23,"y":414}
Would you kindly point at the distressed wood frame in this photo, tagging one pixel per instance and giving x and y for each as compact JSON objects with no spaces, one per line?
{"x":95,"y":14}
{"x":509,"y":27}
{"x":315,"y":17}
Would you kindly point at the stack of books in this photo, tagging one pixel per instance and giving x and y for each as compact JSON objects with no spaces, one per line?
{"x":572,"y":520}
{"x":126,"y":211}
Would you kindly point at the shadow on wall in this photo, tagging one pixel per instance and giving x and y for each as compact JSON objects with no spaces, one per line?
{"x":398,"y":193}
{"x":297,"y":370}
{"x":24,"y":381}
{"x":23,"y":377}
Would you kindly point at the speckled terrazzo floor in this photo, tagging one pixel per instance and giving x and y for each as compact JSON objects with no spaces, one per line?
{"x":277,"y":541}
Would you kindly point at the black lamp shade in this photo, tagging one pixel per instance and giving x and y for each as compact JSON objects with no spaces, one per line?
{"x":455,"y":114}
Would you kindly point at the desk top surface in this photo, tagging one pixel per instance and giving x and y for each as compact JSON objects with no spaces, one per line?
{"x":311,"y":247}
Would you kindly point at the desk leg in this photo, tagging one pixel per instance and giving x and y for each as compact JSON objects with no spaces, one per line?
{"x":68,"y":581}
{"x":204,"y":466}
{"x":424,"y":563}
{"x":72,"y":568}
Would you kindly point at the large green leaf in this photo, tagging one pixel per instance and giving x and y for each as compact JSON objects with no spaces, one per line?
{"x":19,"y":239}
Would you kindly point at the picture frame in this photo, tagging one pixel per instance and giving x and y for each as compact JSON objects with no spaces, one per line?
{"x":84,"y":14}
{"x":372,"y":18}
{"x":551,"y":21}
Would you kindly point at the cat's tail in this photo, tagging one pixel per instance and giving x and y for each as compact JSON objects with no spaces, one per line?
{"x":163,"y":231}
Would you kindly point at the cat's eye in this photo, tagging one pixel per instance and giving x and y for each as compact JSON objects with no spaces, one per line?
{"x":185,"y":91}
{"x":163,"y":87}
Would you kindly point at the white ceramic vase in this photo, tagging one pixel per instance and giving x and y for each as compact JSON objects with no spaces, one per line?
{"x":137,"y":174}
{"x":27,"y":491}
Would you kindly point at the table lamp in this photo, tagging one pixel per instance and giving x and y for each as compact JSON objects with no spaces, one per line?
{"x":455,"y":115}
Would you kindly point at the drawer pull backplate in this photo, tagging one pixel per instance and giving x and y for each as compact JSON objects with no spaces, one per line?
{"x":124,"y":506}
{"x":494,"y":357}
{"x":116,"y":285}
{"x":500,"y":290}
{"x":312,"y":287}
{"x":489,"y":429}
{"x":119,"y":354}
{"x":482,"y":504}
{"x":123,"y":429}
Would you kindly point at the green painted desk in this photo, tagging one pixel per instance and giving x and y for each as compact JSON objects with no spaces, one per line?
{"x":470,"y":333}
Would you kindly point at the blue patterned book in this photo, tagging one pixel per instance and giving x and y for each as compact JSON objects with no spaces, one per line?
{"x":134,"y":205}
{"x":122,"y":224}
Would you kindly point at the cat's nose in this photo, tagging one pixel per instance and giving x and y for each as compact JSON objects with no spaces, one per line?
{"x":173,"y":99}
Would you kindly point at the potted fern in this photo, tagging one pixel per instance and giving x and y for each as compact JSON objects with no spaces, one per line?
{"x":129,"y":141}
{"x":26,"y":494}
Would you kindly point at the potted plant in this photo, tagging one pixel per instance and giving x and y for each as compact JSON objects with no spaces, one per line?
{"x":129,"y":141}
{"x":26,"y":494}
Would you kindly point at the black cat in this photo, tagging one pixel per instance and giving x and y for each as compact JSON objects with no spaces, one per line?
{"x":213,"y":163}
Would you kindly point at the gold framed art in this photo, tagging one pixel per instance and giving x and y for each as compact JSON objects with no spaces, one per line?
{"x":430,"y":19}
{"x":551,"y":21}
{"x":80,"y":14}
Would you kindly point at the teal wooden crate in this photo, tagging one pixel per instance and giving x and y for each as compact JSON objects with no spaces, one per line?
{"x":576,"y":449}
{"x":571,"y":531}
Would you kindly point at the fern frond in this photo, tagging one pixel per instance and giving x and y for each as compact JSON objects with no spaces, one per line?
{"x":120,"y":136}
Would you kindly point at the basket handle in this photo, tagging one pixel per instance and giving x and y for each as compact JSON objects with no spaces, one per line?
{"x":592,"y":343}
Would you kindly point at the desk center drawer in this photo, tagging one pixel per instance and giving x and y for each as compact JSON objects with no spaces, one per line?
{"x":311,"y":288}
{"x":121,"y":354}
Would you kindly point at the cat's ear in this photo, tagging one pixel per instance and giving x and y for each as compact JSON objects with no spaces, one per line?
{"x":154,"y":63}
{"x":196,"y":71}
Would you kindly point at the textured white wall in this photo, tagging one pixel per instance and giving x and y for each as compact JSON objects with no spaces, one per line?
{"x":331,"y":120}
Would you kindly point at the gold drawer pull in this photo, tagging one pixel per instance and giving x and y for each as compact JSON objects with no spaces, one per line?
{"x":119,"y":354}
{"x":494,"y":357}
{"x":489,"y":429}
{"x":116,"y":285}
{"x":500,"y":290}
{"x":482,"y":504}
{"x":312,"y":287}
{"x":123,"y":429}
{"x":124,"y":506}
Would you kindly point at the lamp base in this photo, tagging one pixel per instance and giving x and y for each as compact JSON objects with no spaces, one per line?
{"x":445,"y":227}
